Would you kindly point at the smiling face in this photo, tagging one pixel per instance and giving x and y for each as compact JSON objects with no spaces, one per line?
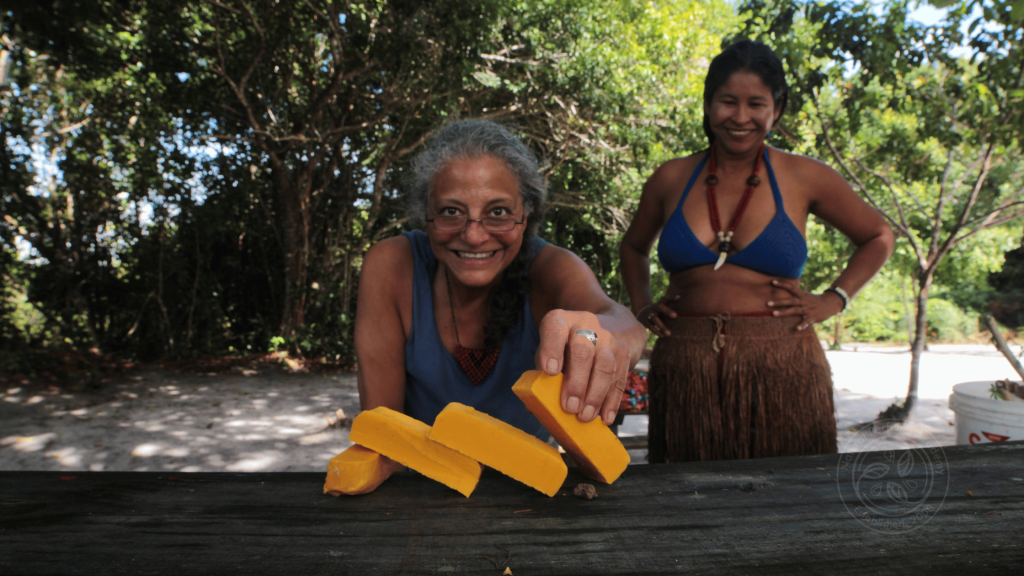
{"x":742,"y":112}
{"x":475,"y":188}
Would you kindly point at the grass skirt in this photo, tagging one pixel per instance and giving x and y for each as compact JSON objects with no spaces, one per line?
{"x":730,"y":387}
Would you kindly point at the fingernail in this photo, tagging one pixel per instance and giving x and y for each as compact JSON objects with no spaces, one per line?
{"x":770,"y":303}
{"x":588,"y":414}
{"x":552,"y":366}
{"x":668,"y":332}
{"x":572,"y":404}
{"x":775,"y":281}
{"x":609,"y":417}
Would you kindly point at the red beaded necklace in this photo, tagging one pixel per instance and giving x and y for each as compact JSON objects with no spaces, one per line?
{"x":476,"y":364}
{"x":725,"y":237}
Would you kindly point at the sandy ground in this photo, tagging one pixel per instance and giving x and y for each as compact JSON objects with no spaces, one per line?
{"x":275,"y":421}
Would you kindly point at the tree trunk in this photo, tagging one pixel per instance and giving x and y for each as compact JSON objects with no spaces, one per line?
{"x":296,"y":259}
{"x":920,"y":338}
{"x":906,"y":309}
{"x":896,"y":413}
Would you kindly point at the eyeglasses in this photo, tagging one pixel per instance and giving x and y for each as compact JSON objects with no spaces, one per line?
{"x":490,"y":223}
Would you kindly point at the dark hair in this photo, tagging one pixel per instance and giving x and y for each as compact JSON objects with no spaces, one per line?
{"x":749,"y":56}
{"x":472,"y":139}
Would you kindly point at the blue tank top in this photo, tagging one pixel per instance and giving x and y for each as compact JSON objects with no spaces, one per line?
{"x":780,"y":250}
{"x":433,"y":378}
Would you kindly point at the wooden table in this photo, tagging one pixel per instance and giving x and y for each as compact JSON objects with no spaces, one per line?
{"x":962,"y":513}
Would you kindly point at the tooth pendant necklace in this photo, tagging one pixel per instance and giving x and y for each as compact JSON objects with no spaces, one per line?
{"x":725,"y":237}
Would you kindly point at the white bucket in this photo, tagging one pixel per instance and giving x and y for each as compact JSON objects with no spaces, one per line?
{"x":981,"y":418}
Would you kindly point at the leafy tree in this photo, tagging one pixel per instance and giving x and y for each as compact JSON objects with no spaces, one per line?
{"x":1008,"y":304}
{"x":932,"y":140}
{"x":74,"y":118}
{"x":231,"y":161}
{"x":371,"y":83}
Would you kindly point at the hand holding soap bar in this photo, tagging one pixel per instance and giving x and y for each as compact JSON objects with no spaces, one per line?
{"x":592,"y":446}
{"x":501,"y":446}
{"x":404,"y":439}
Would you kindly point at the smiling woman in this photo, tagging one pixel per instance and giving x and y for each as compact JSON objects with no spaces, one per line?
{"x":456,"y":312}
{"x":737,"y":371}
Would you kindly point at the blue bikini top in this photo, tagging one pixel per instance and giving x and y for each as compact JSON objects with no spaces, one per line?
{"x":780,"y":250}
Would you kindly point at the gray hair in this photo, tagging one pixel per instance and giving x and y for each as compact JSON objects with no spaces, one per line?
{"x":472,"y":139}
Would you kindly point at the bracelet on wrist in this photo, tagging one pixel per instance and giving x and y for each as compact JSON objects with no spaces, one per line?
{"x":842,"y":295}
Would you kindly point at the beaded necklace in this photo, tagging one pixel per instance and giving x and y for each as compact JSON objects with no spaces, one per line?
{"x":725,"y":237}
{"x":476,"y":364}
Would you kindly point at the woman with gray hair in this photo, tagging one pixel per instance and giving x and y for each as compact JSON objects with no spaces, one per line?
{"x":456,"y":312}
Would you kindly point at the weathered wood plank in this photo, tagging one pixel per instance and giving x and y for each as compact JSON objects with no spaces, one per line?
{"x":771,"y":516}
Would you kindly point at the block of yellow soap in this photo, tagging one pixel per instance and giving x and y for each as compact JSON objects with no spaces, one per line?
{"x":592,"y":446}
{"x":405,"y":440}
{"x":501,"y":446}
{"x":357,"y":470}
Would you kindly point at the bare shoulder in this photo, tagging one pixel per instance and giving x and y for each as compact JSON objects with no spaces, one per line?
{"x":386,"y":287}
{"x":387,"y":269}
{"x":667,"y":177}
{"x":556,"y":269}
{"x":559,"y":279}
{"x":394,"y":253}
{"x":805,"y":164}
{"x":552,"y":259}
{"x":815,"y":179}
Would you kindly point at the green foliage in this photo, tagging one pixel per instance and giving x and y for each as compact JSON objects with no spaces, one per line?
{"x":86,"y":128}
{"x":612,"y":91}
{"x":930,"y":138}
{"x":947,"y":322}
{"x":963,"y":277}
{"x":212,"y":173}
{"x":1007,"y":305}
{"x":218,"y":169}
{"x":828,"y":251}
{"x":879,"y":312}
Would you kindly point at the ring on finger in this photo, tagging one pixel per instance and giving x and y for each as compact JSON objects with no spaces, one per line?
{"x":589,"y":335}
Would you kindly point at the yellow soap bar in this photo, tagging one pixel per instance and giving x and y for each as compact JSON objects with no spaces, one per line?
{"x":357,"y":470}
{"x":501,"y":446}
{"x":405,"y":440}
{"x":592,"y":446}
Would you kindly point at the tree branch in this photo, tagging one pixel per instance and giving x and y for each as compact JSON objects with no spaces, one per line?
{"x":993,"y":214}
{"x":892,"y":191}
{"x":899,"y":225}
{"x":338,"y":77}
{"x":991,"y":224}
{"x":259,"y":53}
{"x":228,"y":8}
{"x":969,"y":205}
{"x":504,"y":60}
{"x":238,"y":90}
